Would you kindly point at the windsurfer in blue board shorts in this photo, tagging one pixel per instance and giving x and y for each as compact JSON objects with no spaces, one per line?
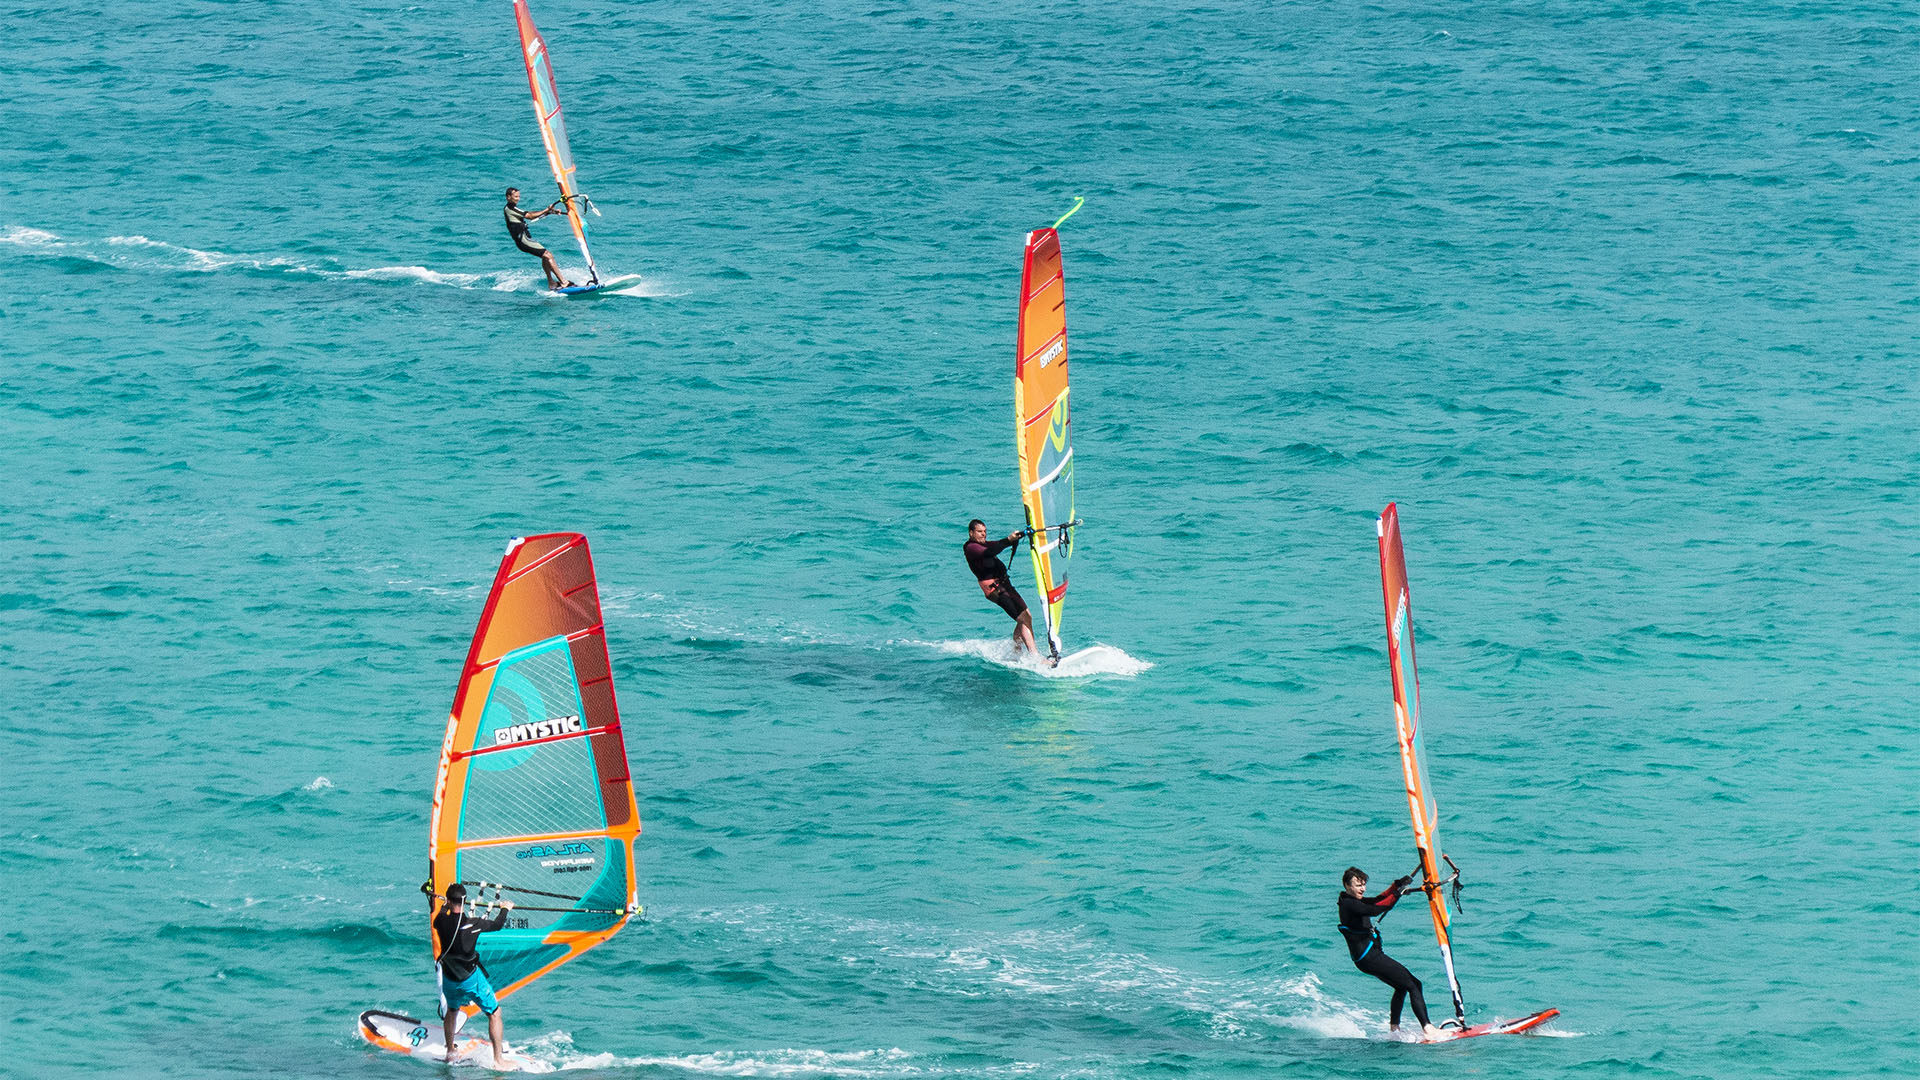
{"x":462,"y":980}
{"x":991,"y":573}
{"x":1357,"y":912}
{"x":517,"y":229}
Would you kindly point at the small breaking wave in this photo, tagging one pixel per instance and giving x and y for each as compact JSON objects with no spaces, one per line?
{"x":1065,"y":969}
{"x":503,"y":281}
{"x":556,"y":1050}
{"x":1090,"y":661}
{"x":23,"y":237}
{"x":138,"y":253}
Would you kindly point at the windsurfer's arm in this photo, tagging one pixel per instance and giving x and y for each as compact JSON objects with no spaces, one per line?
{"x":1391,"y":894}
{"x":499,"y":920}
{"x":995,"y":547}
{"x":979,"y":551}
{"x":1373,"y":908}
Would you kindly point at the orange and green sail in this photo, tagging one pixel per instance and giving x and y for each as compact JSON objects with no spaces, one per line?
{"x":1406,"y":719}
{"x":1043,"y":427}
{"x":534,"y":802}
{"x":553,"y":127}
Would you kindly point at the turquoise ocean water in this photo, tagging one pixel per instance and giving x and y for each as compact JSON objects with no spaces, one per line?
{"x":1621,"y":302}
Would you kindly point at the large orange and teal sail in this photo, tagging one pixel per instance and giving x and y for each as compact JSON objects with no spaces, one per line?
{"x":1043,"y":423}
{"x":1406,"y":719}
{"x":553,"y":127}
{"x":534,"y":802}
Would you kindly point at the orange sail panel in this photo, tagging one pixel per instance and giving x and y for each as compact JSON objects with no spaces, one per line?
{"x":1406,"y":718}
{"x":553,"y":128}
{"x":1043,"y":423}
{"x":533,"y":796}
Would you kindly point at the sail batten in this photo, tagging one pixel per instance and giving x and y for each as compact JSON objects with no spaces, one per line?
{"x":553,"y":127}
{"x":1043,"y":431}
{"x":1408,"y":735}
{"x":533,"y":793}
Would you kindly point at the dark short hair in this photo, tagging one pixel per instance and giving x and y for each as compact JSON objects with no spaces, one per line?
{"x":976,"y":521}
{"x":1352,"y":873}
{"x":456,"y":893}
{"x":512,"y":190}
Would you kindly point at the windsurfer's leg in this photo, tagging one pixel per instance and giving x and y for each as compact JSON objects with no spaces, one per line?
{"x":1010,"y":601}
{"x":1023,"y":632}
{"x":1405,"y":987}
{"x":451,"y":1023}
{"x":1419,"y":1003}
{"x":496,"y":1032}
{"x":548,"y":265}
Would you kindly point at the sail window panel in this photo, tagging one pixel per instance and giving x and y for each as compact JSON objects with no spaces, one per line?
{"x":537,"y":791}
{"x":512,"y":955}
{"x":543,"y":787}
{"x":568,"y":868}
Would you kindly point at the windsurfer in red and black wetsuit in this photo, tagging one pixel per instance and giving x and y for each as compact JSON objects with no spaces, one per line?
{"x":1357,"y":912}
{"x":982,"y":559}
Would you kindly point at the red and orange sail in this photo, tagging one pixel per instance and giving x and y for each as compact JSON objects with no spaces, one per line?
{"x":1406,"y":719}
{"x":553,"y":127}
{"x":533,"y":797}
{"x":1043,"y":429}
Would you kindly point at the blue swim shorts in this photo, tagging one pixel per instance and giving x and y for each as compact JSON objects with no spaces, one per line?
{"x":474,"y":989}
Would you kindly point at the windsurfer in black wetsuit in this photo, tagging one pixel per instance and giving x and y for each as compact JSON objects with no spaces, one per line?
{"x":1357,"y":912}
{"x":991,"y":573}
{"x":462,"y":979}
{"x":517,"y":228}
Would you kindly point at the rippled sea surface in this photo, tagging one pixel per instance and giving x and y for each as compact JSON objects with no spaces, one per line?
{"x":1620,"y":302}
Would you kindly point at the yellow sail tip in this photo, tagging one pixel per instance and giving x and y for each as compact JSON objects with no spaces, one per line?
{"x":1078,"y":202}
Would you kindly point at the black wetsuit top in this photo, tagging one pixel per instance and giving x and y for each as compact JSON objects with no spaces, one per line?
{"x":982,"y":561}
{"x":1356,"y":920}
{"x":517,"y":228}
{"x":457,"y":934}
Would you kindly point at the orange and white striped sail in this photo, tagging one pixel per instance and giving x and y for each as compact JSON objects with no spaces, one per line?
{"x":553,"y":127}
{"x":1043,"y":423}
{"x":1406,"y":719}
{"x":533,"y":797}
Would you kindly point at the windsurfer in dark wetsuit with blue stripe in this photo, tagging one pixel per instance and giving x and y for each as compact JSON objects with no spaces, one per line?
{"x":991,"y":573}
{"x":517,"y":229}
{"x":462,"y":979}
{"x":1357,"y":912}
